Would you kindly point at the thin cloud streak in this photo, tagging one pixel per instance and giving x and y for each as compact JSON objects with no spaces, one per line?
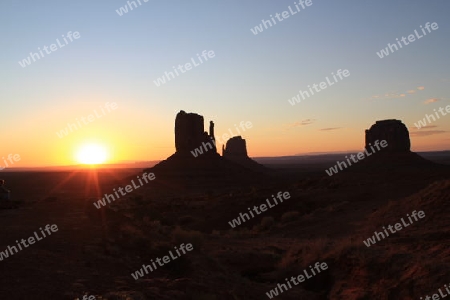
{"x":330,"y":128}
{"x":426,"y":133}
{"x":432,"y":100}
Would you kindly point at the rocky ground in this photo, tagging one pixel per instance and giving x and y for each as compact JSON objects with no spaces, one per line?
{"x":326,"y":219}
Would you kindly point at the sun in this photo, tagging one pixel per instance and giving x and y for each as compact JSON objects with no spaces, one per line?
{"x":92,"y":154}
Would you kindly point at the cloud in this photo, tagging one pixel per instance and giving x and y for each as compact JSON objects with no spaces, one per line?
{"x":330,"y":128}
{"x":426,"y":132}
{"x":387,"y":96}
{"x":301,"y":123}
{"x":431,"y":100}
{"x":396,"y":95}
{"x":426,"y":127}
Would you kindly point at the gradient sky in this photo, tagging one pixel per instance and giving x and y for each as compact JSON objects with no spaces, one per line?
{"x":251,"y":77}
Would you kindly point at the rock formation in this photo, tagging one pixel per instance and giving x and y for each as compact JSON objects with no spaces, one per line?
{"x":236,"y":147}
{"x":236,"y":151}
{"x":396,"y":158}
{"x":393,"y":131}
{"x":206,"y":168}
{"x":190,"y":134}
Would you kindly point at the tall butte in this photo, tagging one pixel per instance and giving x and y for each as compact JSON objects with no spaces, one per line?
{"x":393,"y":131}
{"x":397,"y":156}
{"x":190,"y":134}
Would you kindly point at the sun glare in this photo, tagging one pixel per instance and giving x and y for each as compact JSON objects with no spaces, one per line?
{"x":92,"y":154}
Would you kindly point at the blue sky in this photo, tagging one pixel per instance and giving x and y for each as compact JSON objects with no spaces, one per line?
{"x":251,"y":77}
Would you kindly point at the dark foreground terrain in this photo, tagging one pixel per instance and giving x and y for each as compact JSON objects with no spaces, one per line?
{"x":95,"y":251}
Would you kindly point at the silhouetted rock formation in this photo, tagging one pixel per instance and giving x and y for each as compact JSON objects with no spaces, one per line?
{"x":236,"y":151}
{"x":396,"y":158}
{"x":190,"y":168}
{"x":190,"y":134}
{"x":393,"y":131}
{"x":236,"y":147}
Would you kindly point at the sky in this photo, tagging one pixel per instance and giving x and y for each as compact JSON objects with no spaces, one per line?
{"x":116,"y":59}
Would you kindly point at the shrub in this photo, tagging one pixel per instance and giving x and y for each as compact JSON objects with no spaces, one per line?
{"x":138,"y":199}
{"x":267,"y":223}
{"x":133,"y":237}
{"x":185,"y":220}
{"x":188,"y":236}
{"x":289,"y":216}
{"x":215,"y":233}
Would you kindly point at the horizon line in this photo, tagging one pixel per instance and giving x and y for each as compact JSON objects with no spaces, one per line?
{"x":106,"y":165}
